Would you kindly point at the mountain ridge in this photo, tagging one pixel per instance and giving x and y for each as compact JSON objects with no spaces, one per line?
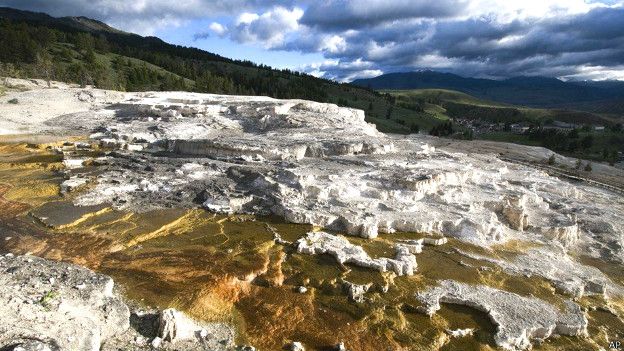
{"x":534,"y":91}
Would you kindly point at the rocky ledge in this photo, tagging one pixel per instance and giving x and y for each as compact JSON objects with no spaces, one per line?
{"x":324,"y":165}
{"x":519,"y":320}
{"x":55,"y":306}
{"x":318,"y":164}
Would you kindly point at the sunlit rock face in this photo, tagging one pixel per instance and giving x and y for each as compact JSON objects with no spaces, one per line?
{"x":324,"y":165}
{"x":315,"y":243}
{"x":376,"y":202}
{"x":60,"y":306}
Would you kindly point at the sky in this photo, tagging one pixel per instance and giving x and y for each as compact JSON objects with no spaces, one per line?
{"x":349,"y":39}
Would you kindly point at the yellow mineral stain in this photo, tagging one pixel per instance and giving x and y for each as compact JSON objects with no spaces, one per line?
{"x":84,"y":218}
{"x":512,"y":248}
{"x":177,"y":225}
{"x":228,"y":268}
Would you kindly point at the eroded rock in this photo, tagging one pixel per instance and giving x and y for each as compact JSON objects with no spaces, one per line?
{"x":315,"y":243}
{"x":519,"y":320}
{"x":567,"y":275}
{"x":38,"y":301}
{"x":356,"y":291}
{"x":324,"y":165}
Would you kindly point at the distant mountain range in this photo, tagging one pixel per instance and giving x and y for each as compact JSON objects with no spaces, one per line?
{"x":527,"y":91}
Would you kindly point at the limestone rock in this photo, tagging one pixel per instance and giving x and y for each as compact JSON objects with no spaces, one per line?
{"x":296,"y":346}
{"x":38,"y":302}
{"x":356,"y":291}
{"x":460,"y":333}
{"x":519,"y":320}
{"x":434,"y":241}
{"x":567,"y":275}
{"x":322,"y":164}
{"x":175,"y":326}
{"x":315,"y":243}
{"x":156,"y":342}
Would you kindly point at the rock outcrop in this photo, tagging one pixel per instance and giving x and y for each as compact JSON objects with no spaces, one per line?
{"x":323,"y":165}
{"x":174,"y":326}
{"x":56,"y":306}
{"x":316,"y":243}
{"x":567,"y":275}
{"x":519,"y":320}
{"x":62,"y":306}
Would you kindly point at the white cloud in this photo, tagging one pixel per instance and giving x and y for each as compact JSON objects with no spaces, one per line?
{"x":507,"y":11}
{"x":144,"y":16}
{"x":246,"y":18}
{"x":434,"y":60}
{"x":344,"y":71}
{"x":333,"y":44}
{"x":268,"y":29}
{"x":596,"y":73}
{"x":217,"y":28}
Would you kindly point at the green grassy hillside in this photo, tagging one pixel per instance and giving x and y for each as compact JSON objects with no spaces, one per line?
{"x":453,"y":104}
{"x":584,"y":142}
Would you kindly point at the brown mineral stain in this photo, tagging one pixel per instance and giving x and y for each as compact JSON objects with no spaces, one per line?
{"x":228,"y":268}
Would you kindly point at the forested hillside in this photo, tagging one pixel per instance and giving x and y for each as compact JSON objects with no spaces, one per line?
{"x":88,"y":52}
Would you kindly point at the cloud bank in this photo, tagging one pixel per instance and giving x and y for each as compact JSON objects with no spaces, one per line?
{"x":575,"y":39}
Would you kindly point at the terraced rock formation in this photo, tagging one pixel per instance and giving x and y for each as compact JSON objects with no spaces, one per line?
{"x":228,"y":207}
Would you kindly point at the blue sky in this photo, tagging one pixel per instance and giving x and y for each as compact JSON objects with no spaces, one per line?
{"x":185,"y":35}
{"x":348,"y":39}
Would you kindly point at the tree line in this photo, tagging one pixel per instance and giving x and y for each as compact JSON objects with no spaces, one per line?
{"x":133,"y":63}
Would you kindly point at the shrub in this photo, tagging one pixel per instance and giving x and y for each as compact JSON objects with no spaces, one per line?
{"x":588,"y":167}
{"x":13,"y":101}
{"x":552,"y":159}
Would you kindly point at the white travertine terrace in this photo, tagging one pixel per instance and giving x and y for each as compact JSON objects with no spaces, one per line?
{"x":324,"y":165}
{"x":320,"y":164}
{"x":519,"y":320}
{"x":315,"y":243}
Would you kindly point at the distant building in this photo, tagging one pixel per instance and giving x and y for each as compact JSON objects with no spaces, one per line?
{"x":599,"y":128}
{"x":518,"y":128}
{"x":564,"y":125}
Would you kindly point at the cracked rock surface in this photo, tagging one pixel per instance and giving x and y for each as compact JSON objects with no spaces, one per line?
{"x":63,"y":306}
{"x":56,"y":306}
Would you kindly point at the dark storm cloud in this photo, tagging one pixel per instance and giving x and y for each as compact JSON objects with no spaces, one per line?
{"x":557,"y":46}
{"x":349,"y":14}
{"x":359,"y":38}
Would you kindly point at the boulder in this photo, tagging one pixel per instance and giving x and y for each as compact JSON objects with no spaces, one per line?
{"x":39,"y":303}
